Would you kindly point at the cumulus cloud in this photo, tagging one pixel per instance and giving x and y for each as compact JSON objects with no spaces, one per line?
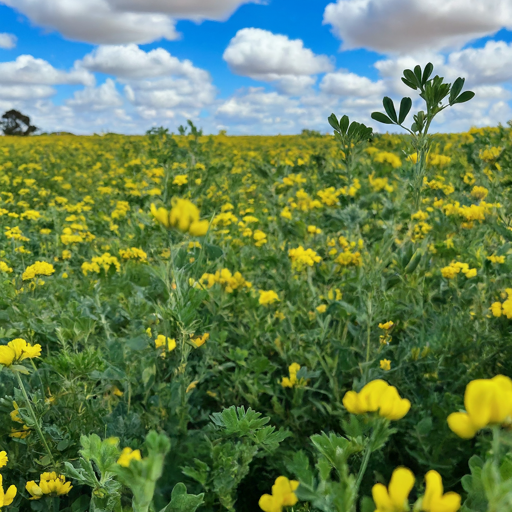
{"x":121,"y":21}
{"x":7,"y":41}
{"x":27,"y":69}
{"x":192,"y":9}
{"x":398,"y":26}
{"x":102,"y":97}
{"x":130,"y":62}
{"x":349,"y":84}
{"x":269,"y":57}
{"x":96,"y":21}
{"x":25,"y":92}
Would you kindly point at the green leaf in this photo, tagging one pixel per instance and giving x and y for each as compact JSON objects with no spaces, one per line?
{"x":333,"y":121}
{"x":138,"y":343}
{"x":148,"y":373}
{"x":417,"y":73}
{"x":382,"y":118}
{"x":411,"y":77}
{"x":183,"y":502}
{"x":214,"y":252}
{"x":456,"y":88}
{"x":344,"y":122}
{"x":390,"y":108}
{"x":427,"y":72}
{"x":367,"y":504}
{"x":405,"y":107}
{"x":354,"y":127}
{"x":465,"y":96}
{"x":409,"y":83}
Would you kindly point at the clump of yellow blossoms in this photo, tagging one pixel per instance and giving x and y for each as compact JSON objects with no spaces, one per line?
{"x":377,"y":396}
{"x":487,"y":402}
{"x":268,"y":297}
{"x":226,"y":279}
{"x":4,"y":267}
{"x":39,"y":268}
{"x":18,"y":350}
{"x":292,"y":381}
{"x":168,"y":344}
{"x":301,"y":258}
{"x":133,"y":254}
{"x":50,"y":484}
{"x":479,"y":192}
{"x":282,"y":495}
{"x":385,"y":339}
{"x":127,"y":455}
{"x":184,"y":215}
{"x":101,"y":262}
{"x":180,"y":179}
{"x":498,"y":309}
{"x":385,"y":364}
{"x":455,"y":267}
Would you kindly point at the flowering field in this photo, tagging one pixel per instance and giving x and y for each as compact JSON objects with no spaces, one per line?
{"x":149,"y":284}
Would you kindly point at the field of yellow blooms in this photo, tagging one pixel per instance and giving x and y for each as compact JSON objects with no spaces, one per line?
{"x":238,"y":323}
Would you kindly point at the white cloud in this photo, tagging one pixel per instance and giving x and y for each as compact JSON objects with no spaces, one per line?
{"x":25,"y":92}
{"x":121,"y":21}
{"x":191,"y":9}
{"x":7,"y":41}
{"x":389,"y":26}
{"x":265,"y":56}
{"x":96,"y":21}
{"x":26,"y":69}
{"x":97,"y":98}
{"x":349,"y":84}
{"x":130,"y":62}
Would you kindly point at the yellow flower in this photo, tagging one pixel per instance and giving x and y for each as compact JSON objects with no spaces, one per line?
{"x":180,"y":179}
{"x":282,"y":495}
{"x":4,"y":267}
{"x":487,"y":402}
{"x":17,"y":350}
{"x":7,"y":497}
{"x":387,"y":325}
{"x":290,"y":382}
{"x":3,"y":459}
{"x":268,"y":297}
{"x":385,"y":364}
{"x":496,"y":309}
{"x":377,"y":396}
{"x":191,"y":386}
{"x":395,"y":497}
{"x":49,"y":483}
{"x":198,"y":342}
{"x":127,"y":455}
{"x":434,"y":499}
{"x":39,"y":268}
{"x":167,"y":344}
{"x":322,"y":308}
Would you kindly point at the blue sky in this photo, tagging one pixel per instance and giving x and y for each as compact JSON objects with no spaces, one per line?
{"x":247,"y":67}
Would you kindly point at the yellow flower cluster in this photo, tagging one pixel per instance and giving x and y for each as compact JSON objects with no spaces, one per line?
{"x":167,"y":344}
{"x":50,"y":484}
{"x":505,"y":308}
{"x":133,"y":254}
{"x":292,"y":381}
{"x":489,"y":154}
{"x":302,"y":258}
{"x":377,"y":396}
{"x":127,"y":455}
{"x":4,"y":267}
{"x":379,"y":184}
{"x":17,"y":351}
{"x":267,"y":297}
{"x":479,"y":192}
{"x":395,"y":498}
{"x":386,"y":156}
{"x":184,"y":215}
{"x":456,"y":267}
{"x":101,"y":262}
{"x":283,"y":495}
{"x":487,"y":402}
{"x":39,"y":268}
{"x":226,"y":279}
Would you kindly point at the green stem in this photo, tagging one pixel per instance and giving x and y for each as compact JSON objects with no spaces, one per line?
{"x":496,"y":445}
{"x":364,"y":463}
{"x":34,"y":419}
{"x":369,"y":328}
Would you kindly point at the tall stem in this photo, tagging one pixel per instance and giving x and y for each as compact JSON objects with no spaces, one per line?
{"x":364,"y":463}
{"x":34,"y":419}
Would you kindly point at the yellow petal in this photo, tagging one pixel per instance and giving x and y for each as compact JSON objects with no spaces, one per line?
{"x":7,"y":355}
{"x":268,"y":503}
{"x":450,"y":502}
{"x":402,"y":481}
{"x":351,"y":403}
{"x":381,"y":497}
{"x":371,"y":394}
{"x":199,"y":228}
{"x":478,"y":401}
{"x":461,"y":424}
{"x":433,"y":490}
{"x":10,"y":495}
